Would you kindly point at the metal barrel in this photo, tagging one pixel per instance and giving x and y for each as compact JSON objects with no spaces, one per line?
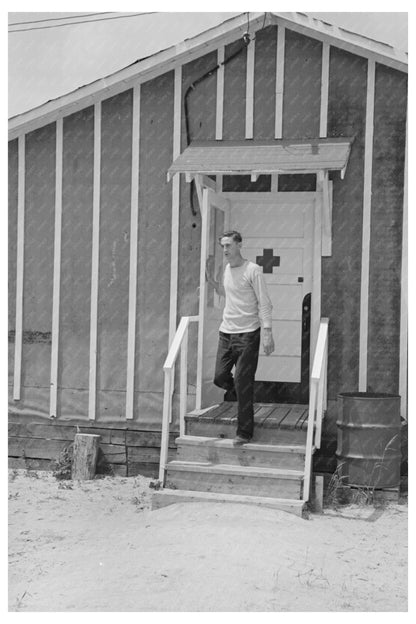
{"x":368,"y":450}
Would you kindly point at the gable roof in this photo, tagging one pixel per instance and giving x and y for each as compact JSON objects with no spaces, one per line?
{"x":228,"y":31}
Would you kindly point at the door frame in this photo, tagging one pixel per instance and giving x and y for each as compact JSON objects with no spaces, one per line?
{"x":222,"y":200}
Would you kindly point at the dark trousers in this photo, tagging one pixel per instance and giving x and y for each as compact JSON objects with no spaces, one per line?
{"x":241,"y":351}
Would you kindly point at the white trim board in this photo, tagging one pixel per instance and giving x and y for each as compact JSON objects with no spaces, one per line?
{"x":56,"y":271}
{"x":365,"y":257}
{"x":134,"y":216}
{"x":92,"y":385}
{"x":18,"y":337}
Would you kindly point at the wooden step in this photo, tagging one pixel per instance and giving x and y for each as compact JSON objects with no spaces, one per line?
{"x":274,"y":423}
{"x":225,"y":451}
{"x":165,"y":497}
{"x":227,"y":430}
{"x":224,"y":478}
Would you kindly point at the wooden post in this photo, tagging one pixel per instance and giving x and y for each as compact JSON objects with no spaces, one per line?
{"x":85,"y":455}
{"x":318,"y":497}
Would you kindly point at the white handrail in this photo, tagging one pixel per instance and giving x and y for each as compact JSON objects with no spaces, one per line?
{"x":179,"y":344}
{"x":317,"y":402}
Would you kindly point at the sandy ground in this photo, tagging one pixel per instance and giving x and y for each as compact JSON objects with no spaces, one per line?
{"x":96,"y":546}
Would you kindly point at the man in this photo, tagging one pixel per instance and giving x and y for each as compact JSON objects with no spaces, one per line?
{"x":247,"y":307}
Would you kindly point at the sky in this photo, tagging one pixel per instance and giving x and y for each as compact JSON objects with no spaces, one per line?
{"x":47,"y":59}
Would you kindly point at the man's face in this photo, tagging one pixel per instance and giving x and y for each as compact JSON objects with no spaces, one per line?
{"x":230,"y":248}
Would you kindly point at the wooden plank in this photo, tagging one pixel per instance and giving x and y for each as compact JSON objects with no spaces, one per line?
{"x":294,"y":416}
{"x":134,"y":215}
{"x":324,"y":91}
{"x":404,"y":299}
{"x":229,"y":416}
{"x":92,"y":385}
{"x":231,"y":480}
{"x":276,"y":416}
{"x":56,"y":271}
{"x":146,"y":455}
{"x":114,"y":453}
{"x":166,"y":497}
{"x":27,"y":463}
{"x":220,"y":94}
{"x":36,"y":448}
{"x":262,"y":412}
{"x":148,"y":438}
{"x":280,"y":71}
{"x":365,"y":257}
{"x":174,"y":255}
{"x":259,"y":455}
{"x":61,"y":432}
{"x":251,"y":49}
{"x":19,"y":268}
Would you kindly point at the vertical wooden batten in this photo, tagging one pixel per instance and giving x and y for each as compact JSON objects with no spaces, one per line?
{"x":404,"y":299}
{"x":174,"y":254}
{"x":56,"y":271}
{"x":324,"y":91}
{"x":219,"y":116}
{"x":134,"y":215}
{"x":280,"y":69}
{"x":19,"y":269}
{"x":92,"y":399}
{"x":365,"y":257}
{"x":250,"y":90}
{"x":220,"y":94}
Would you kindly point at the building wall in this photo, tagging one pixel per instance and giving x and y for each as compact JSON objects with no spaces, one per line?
{"x":341,"y":273}
{"x":386,"y":230}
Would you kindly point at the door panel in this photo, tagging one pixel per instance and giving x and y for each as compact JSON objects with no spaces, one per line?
{"x":279,"y":237}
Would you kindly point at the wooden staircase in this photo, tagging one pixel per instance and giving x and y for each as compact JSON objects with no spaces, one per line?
{"x":269,"y":470}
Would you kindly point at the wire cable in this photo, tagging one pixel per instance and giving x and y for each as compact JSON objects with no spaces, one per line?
{"x":58,"y":19}
{"x":104,"y":19}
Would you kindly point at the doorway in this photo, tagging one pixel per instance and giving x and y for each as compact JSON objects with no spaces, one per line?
{"x":280,"y":234}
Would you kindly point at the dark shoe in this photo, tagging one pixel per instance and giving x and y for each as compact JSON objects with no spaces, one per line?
{"x":230,"y":395}
{"x":241,"y":440}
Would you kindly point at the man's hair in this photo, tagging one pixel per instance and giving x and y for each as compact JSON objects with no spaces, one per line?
{"x":236,"y":236}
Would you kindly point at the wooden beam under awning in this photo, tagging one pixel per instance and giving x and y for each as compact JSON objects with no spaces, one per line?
{"x":254,"y":158}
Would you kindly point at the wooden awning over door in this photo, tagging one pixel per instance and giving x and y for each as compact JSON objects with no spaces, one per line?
{"x":253,"y":157}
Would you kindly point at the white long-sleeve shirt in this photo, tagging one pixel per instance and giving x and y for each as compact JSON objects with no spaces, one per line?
{"x":247,"y":302}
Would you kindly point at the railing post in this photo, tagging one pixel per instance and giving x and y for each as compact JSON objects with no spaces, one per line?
{"x":309,"y":440}
{"x":183,"y":383}
{"x":167,"y":407}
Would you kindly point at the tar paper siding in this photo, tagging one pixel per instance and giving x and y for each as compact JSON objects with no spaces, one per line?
{"x":265,"y":83}
{"x":302,"y":86}
{"x":153,"y":278}
{"x":38,"y":256}
{"x":341,"y":272}
{"x":75,"y":298}
{"x":114,"y":250}
{"x":386,"y":230}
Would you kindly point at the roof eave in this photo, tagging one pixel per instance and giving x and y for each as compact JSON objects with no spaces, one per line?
{"x":342,"y":39}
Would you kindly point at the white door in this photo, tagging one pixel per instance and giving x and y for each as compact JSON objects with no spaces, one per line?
{"x":215,"y":220}
{"x":278,"y":233}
